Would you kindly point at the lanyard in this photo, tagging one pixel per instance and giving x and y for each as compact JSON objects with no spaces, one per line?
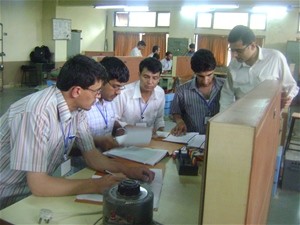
{"x":66,"y":139}
{"x":104,"y":117}
{"x":142,"y":110}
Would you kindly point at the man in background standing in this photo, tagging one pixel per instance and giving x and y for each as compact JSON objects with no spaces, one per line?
{"x":167,"y":62}
{"x":136,"y":51}
{"x":155,"y":49}
{"x":191,"y":50}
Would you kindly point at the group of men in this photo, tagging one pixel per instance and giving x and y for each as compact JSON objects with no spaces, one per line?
{"x":91,"y":101}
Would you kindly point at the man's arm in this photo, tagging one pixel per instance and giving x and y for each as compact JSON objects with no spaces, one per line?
{"x":227,"y":93}
{"x":180,"y":128}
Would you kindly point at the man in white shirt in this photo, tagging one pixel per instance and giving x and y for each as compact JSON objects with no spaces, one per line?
{"x":251,"y":65}
{"x":167,"y":62}
{"x":142,"y":102}
{"x":101,"y":117}
{"x":136,"y":51}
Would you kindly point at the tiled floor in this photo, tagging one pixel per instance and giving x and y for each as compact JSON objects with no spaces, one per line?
{"x":285,"y":206}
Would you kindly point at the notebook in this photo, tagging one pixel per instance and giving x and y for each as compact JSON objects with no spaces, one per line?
{"x":149,"y":156}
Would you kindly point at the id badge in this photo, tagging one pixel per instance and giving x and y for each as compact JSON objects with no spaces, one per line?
{"x":65,"y":167}
{"x":206,"y":119}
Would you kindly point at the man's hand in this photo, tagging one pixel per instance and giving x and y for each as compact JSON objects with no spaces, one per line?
{"x":140,"y":173}
{"x":179,"y":129}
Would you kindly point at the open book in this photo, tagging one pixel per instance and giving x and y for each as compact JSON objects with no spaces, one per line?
{"x":149,"y":156}
{"x":191,"y":139}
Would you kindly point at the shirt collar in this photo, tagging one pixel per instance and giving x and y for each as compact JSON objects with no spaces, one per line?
{"x":62,"y":107}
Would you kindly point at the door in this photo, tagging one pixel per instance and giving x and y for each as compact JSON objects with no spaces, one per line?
{"x":73,"y":45}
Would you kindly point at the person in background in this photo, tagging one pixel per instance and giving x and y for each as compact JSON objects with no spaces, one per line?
{"x":142,"y":102}
{"x":167,"y":62}
{"x":250,"y":65}
{"x":155,"y":50}
{"x":136,"y":51}
{"x":38,"y":131}
{"x":198,"y":99}
{"x":191,"y":50}
{"x":156,"y":56}
{"x":101,"y":117}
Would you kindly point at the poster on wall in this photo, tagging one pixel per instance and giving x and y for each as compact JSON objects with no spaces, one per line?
{"x":61,"y":29}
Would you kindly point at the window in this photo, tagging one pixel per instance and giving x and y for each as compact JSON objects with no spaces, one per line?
{"x":226,"y":20}
{"x":142,"y":19}
{"x":258,"y":21}
{"x":299,"y":23}
{"x":229,"y":20}
{"x":204,"y":20}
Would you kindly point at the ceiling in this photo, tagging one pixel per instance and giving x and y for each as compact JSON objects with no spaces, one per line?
{"x":176,"y":3}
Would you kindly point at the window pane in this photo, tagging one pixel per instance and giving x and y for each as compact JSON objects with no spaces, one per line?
{"x":142,"y":19}
{"x":258,"y":21}
{"x":229,"y":20}
{"x":204,"y":20}
{"x":121,"y":19}
{"x":163,"y":19}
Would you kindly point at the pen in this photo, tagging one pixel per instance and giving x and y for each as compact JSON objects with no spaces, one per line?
{"x":108,"y":172}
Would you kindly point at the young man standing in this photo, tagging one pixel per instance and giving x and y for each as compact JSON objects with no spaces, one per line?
{"x":198,"y":99}
{"x":136,"y":51}
{"x":251,"y":65}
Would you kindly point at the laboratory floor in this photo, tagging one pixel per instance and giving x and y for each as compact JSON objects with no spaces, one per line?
{"x":285,"y":205}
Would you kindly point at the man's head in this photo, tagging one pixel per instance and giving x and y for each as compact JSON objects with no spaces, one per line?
{"x":82,"y":78}
{"x":156,"y":49}
{"x":141,"y":45}
{"x":118,"y":75}
{"x":242,"y":43}
{"x":192,"y":47}
{"x":169,"y":55}
{"x":150,"y":70}
{"x":203,"y":63}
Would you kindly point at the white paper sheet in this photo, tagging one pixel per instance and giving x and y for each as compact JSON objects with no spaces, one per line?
{"x":138,"y":136}
{"x":184,"y":139}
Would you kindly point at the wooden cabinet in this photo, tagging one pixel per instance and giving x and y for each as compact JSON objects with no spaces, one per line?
{"x":239,"y":166}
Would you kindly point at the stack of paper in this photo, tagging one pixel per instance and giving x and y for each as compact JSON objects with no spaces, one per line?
{"x":191,"y":139}
{"x":149,"y":156}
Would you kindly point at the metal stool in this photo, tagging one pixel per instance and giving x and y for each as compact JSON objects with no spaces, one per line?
{"x":29,"y":75}
{"x":295,"y":116}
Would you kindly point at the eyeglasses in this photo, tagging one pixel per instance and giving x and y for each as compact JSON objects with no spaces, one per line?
{"x":238,"y":50}
{"x":116,"y":87}
{"x":97,"y":92}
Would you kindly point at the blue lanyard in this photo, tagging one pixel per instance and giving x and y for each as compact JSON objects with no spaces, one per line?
{"x":104,"y":117}
{"x":66,"y":140}
{"x":142,"y":110}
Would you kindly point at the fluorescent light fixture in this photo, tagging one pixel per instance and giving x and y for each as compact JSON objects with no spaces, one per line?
{"x":270,"y":9}
{"x":136,"y":8}
{"x":207,"y":8}
{"x":110,"y":6}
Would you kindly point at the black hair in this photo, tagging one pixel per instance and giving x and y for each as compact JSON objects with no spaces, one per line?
{"x":155,"y":48}
{"x":168,"y":53}
{"x":192,"y":45}
{"x":152,"y":64}
{"x":203,"y":60}
{"x":241,"y":33}
{"x":81,"y":71}
{"x":142,"y":43}
{"x":116,"y":69}
{"x":156,"y":56}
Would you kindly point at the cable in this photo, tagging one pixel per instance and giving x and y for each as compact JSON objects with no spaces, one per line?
{"x":98,"y":220}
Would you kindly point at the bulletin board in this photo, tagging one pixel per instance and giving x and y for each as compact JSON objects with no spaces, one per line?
{"x":61,"y":29}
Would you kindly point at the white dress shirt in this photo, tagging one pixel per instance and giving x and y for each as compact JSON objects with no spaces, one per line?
{"x":242,"y":78}
{"x":136,"y":52}
{"x":101,"y":118}
{"x":166,"y":64}
{"x":131,"y":109}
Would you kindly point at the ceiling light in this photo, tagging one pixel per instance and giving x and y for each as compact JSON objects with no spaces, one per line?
{"x":110,"y":6}
{"x":136,"y":8}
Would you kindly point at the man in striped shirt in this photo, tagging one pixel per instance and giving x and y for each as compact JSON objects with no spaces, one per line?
{"x":38,"y":131}
{"x":198,"y":99}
